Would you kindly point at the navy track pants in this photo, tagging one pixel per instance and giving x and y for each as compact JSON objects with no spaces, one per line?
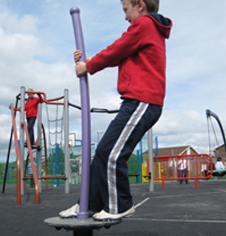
{"x":109,"y":182}
{"x":30,"y":128}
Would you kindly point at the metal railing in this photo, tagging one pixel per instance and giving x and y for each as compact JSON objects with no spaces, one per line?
{"x":183,"y":167}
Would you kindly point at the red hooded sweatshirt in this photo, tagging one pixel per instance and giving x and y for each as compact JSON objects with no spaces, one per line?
{"x":31,"y":106}
{"x":141,"y":59}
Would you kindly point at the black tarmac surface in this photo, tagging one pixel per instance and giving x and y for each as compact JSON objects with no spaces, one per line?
{"x":177,"y":210}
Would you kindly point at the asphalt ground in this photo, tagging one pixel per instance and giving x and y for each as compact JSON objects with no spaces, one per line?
{"x":177,"y":210}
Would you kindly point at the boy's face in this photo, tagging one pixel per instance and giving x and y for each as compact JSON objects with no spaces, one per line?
{"x":132,"y":12}
{"x":30,"y":95}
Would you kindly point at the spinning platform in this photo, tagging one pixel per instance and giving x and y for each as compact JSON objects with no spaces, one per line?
{"x":80,"y":227}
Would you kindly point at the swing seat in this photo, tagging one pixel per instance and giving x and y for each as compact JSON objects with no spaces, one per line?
{"x":219,"y":173}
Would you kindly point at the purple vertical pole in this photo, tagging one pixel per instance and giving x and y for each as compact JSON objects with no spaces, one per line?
{"x":86,"y":140}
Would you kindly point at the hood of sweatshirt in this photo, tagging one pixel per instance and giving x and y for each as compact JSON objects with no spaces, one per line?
{"x":164,"y":24}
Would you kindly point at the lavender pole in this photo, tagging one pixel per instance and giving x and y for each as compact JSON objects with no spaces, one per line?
{"x":86,"y":140}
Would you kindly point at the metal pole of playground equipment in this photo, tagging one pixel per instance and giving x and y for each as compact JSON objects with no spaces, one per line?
{"x":39,"y":151}
{"x":150,"y":155}
{"x":86,"y":139}
{"x":9,"y":148}
{"x":66,"y":140}
{"x":57,"y":163}
{"x":210,"y":113}
{"x":22,"y":119}
{"x":17,"y":157}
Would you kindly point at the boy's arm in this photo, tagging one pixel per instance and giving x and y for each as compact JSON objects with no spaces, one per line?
{"x":126,"y":45}
{"x":40,"y":100}
{"x":129,"y":43}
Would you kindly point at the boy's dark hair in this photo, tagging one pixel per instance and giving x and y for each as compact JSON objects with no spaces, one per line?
{"x":219,"y":159}
{"x":152,"y":5}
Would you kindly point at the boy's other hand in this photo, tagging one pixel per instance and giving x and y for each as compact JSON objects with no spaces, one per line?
{"x":78,"y":55}
{"x":80,"y":68}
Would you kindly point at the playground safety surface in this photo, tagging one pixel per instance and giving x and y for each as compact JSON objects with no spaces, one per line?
{"x":177,"y":210}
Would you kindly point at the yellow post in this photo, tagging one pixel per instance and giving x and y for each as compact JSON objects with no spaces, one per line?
{"x":144,"y":173}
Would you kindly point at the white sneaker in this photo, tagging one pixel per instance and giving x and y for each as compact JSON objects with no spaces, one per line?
{"x":70,"y":212}
{"x":103,"y":215}
{"x":73,"y":211}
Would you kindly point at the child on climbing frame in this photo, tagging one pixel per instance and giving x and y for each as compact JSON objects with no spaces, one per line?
{"x":31,"y":108}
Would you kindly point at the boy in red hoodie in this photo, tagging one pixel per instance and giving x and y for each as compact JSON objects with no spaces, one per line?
{"x":140,"y":56}
{"x":31,"y":108}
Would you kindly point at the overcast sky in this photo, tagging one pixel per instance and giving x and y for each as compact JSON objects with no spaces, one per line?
{"x":36,"y":50}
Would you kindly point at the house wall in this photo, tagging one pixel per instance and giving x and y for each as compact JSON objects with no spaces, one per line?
{"x":220,"y":152}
